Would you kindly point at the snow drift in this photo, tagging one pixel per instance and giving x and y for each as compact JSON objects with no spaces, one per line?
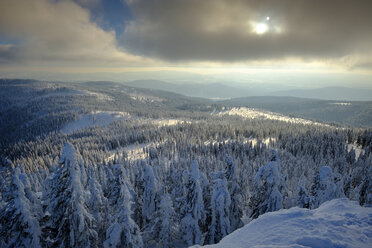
{"x":336,"y":223}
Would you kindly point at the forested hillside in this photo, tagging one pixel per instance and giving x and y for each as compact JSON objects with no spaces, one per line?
{"x":107,"y":165}
{"x":350,"y":113}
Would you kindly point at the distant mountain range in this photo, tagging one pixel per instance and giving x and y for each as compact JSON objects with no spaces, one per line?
{"x":329,"y":93}
{"x":211,"y":91}
{"x":354,"y":113}
{"x":142,"y":98}
{"x":223,"y":91}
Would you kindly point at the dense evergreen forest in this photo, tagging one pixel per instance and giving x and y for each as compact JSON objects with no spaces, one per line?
{"x":167,"y":173}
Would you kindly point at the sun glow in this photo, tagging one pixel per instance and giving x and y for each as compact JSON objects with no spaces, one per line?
{"x":261,"y":28}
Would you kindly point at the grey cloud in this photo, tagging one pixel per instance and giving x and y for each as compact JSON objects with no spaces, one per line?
{"x":219,"y":30}
{"x":7,"y":52}
{"x":57,"y":33}
{"x":362,"y":65}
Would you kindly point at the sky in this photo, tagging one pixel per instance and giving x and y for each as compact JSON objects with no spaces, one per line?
{"x":324,"y":41}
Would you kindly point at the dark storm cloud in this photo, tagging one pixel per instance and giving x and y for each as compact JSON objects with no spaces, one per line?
{"x":221,"y":30}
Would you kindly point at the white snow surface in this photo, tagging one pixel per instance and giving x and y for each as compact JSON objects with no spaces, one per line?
{"x":337,"y":223}
{"x":104,"y":118}
{"x":134,"y":151}
{"x":169,"y":122}
{"x":58,"y":91}
{"x":99,"y":96}
{"x":342,"y":103}
{"x":254,"y":141}
{"x":145,"y":98}
{"x":97,"y":118}
{"x":252,"y":113}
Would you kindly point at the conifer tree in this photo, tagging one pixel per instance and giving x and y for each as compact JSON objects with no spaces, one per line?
{"x":220,"y":209}
{"x":98,"y":206}
{"x":365,"y":193}
{"x":163,"y":227}
{"x":194,"y":217}
{"x":150,"y":185}
{"x":19,"y":221}
{"x":324,"y":187}
{"x":236,"y":210}
{"x":268,"y":185}
{"x":69,"y":223}
{"x":303,"y":199}
{"x":123,"y":231}
{"x":178,"y":192}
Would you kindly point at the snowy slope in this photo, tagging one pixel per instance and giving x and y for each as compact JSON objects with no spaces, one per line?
{"x":97,"y":118}
{"x":336,"y":223}
{"x":104,"y":118}
{"x":251,"y":113}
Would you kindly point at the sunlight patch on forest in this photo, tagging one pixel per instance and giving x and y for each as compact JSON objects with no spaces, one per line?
{"x":251,"y":113}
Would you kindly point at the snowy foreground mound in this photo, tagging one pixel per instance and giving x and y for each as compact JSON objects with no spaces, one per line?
{"x":336,"y":223}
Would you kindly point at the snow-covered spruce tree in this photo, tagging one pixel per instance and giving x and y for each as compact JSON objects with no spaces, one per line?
{"x":108,"y":191}
{"x":68,"y":222}
{"x":98,"y":206}
{"x":168,"y":222}
{"x":303,"y":199}
{"x":83,"y":174}
{"x":19,"y":221}
{"x":102,"y":179}
{"x":246,"y":182}
{"x":365,"y":192}
{"x":163,"y":228}
{"x":220,"y":209}
{"x":194,"y":216}
{"x":206,"y":189}
{"x":123,"y":231}
{"x":268,"y":187}
{"x":326,"y":186}
{"x":236,"y":208}
{"x":178,"y":192}
{"x":150,"y":185}
{"x":356,"y":178}
{"x":2,"y":201}
{"x":138,"y":199}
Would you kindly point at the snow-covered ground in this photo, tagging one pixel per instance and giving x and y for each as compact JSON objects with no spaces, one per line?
{"x":342,"y":103}
{"x":145,"y":98}
{"x":104,"y":118}
{"x":134,"y":152}
{"x":97,"y":118}
{"x":169,"y":122}
{"x":64,"y":92}
{"x":99,"y":96}
{"x":336,"y":223}
{"x":254,"y":141}
{"x":58,"y":91}
{"x":251,"y":113}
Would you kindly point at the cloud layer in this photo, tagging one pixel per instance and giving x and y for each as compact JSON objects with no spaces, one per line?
{"x":223,"y":30}
{"x":57,"y":33}
{"x":193,"y":32}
